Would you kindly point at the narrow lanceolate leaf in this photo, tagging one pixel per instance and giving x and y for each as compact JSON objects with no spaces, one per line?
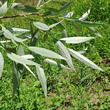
{"x":65,"y":6}
{"x":39,"y":1}
{"x":76,"y":40}
{"x":68,"y":15}
{"x":85,"y":15}
{"x":24,"y":8}
{"x":65,"y":54}
{"x":82,"y":51}
{"x":87,"y":23}
{"x":53,"y":25}
{"x":84,"y":59}
{"x":1,"y":64}
{"x":3,"y":8}
{"x":64,"y":33}
{"x":46,"y":52}
{"x":28,"y":56}
{"x":42,"y":78}
{"x":15,"y":78}
{"x":92,"y":29}
{"x":9,"y":3}
{"x":0,"y":2}
{"x":30,"y":70}
{"x":10,"y":36}
{"x":19,"y":29}
{"x":20,"y":50}
{"x":41,"y":26}
{"x":34,"y":38}
{"x":20,"y":59}
{"x":5,"y":41}
{"x":55,"y":63}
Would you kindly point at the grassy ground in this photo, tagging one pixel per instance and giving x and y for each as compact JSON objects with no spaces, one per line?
{"x":86,"y":90}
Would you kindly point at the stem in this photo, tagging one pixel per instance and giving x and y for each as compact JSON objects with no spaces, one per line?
{"x":19,"y":15}
{"x":2,"y":47}
{"x":43,"y":4}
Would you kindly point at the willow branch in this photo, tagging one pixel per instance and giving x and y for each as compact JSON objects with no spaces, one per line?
{"x":20,"y":15}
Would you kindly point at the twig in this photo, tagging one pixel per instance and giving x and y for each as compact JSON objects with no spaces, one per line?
{"x":19,"y":15}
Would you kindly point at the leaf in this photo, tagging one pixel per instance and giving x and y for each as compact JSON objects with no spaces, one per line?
{"x":20,"y":59}
{"x":18,"y":39}
{"x":45,"y":52}
{"x":82,"y":51}
{"x":53,"y":25}
{"x":24,"y":8}
{"x":20,"y":50}
{"x":3,"y":8}
{"x":30,"y":71}
{"x":65,"y":54}
{"x":68,"y":15}
{"x":9,"y":3}
{"x":84,"y":59}
{"x":92,"y":29}
{"x":34,"y":38}
{"x":15,"y":78}
{"x":41,"y":26}
{"x":27,"y":56}
{"x":64,"y":33}
{"x":55,"y":63}
{"x":1,"y":64}
{"x":76,"y":40}
{"x":5,"y":41}
{"x":65,"y":6}
{"x":42,"y":78}
{"x":85,"y":15}
{"x":10,"y":36}
{"x":19,"y":29}
{"x":87,"y":23}
{"x":39,"y":1}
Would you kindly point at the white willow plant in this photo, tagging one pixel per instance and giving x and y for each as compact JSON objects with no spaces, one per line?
{"x":7,"y":37}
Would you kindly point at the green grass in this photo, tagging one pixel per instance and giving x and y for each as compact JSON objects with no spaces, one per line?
{"x":86,"y":90}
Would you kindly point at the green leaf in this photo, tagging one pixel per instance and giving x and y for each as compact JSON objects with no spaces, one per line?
{"x":30,"y":71}
{"x":82,"y":51}
{"x":10,"y":36}
{"x":68,"y":15}
{"x":53,"y":25}
{"x":20,"y":50}
{"x":83,"y":59}
{"x":34,"y":38}
{"x":15,"y":78}
{"x":19,"y":29}
{"x":76,"y":40}
{"x":87,"y":23}
{"x":24,"y":8}
{"x":1,"y":64}
{"x":55,"y":63}
{"x":46,"y":52}
{"x":42,"y":78}
{"x":65,"y":6}
{"x":9,"y":3}
{"x":38,"y":4}
{"x":20,"y":59}
{"x":27,"y":56}
{"x":3,"y":8}
{"x":92,"y":29}
{"x":64,"y":33}
{"x":41,"y":26}
{"x":65,"y":54}
{"x":5,"y":41}
{"x":85,"y":15}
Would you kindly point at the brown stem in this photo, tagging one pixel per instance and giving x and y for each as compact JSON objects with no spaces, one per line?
{"x":19,"y":15}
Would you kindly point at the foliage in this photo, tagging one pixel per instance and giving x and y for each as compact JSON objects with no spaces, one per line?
{"x":89,"y":89}
{"x":14,"y":35}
